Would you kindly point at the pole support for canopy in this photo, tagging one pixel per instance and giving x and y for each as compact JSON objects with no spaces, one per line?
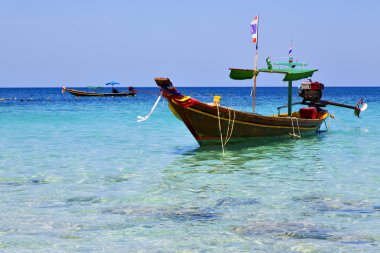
{"x":254,"y":91}
{"x":290,"y":86}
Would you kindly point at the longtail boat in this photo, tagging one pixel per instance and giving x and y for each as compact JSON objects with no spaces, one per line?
{"x":210,"y":122}
{"x":213,"y":123}
{"x":79,"y":93}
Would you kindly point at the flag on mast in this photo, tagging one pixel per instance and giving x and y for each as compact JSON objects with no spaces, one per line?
{"x":291,"y":52}
{"x":254,"y":25}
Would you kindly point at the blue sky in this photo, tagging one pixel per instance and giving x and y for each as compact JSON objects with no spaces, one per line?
{"x":48,"y":43}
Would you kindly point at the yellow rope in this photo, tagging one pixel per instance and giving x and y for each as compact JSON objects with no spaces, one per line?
{"x":232,"y":128}
{"x":220,"y":129}
{"x":228,"y":133}
{"x":298,"y":126}
{"x":294,"y":132}
{"x":228,"y":126}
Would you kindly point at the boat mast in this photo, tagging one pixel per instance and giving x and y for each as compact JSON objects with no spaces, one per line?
{"x":290,"y":84}
{"x":255,"y":39}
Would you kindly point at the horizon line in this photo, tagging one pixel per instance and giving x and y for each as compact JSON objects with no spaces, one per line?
{"x":55,"y":87}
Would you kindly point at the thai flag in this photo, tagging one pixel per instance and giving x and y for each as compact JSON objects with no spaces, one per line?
{"x":290,"y":54}
{"x":254,"y":25}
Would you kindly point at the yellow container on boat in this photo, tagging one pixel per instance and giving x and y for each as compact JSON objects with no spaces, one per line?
{"x":217,"y":100}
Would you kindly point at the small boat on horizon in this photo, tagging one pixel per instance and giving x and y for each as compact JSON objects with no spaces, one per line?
{"x":114,"y":92}
{"x":79,"y":93}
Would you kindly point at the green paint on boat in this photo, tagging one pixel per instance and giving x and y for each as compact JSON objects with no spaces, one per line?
{"x":290,"y":74}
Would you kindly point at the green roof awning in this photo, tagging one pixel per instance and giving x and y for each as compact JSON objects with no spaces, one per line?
{"x":241,"y":74}
{"x":290,"y":74}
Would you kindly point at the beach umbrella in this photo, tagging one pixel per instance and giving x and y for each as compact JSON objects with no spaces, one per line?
{"x":112,"y":83}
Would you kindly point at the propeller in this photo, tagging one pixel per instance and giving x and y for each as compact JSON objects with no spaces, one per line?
{"x":360,"y":107}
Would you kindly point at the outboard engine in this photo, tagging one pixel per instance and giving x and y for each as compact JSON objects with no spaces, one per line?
{"x":311,"y":91}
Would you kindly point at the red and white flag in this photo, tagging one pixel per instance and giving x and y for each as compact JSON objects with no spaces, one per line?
{"x":254,"y":25}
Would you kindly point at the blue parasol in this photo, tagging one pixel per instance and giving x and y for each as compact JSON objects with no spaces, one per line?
{"x":112,"y":83}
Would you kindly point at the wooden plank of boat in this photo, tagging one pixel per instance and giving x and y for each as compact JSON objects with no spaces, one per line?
{"x":79,"y":93}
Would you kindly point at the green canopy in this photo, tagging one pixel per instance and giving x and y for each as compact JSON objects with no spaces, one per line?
{"x":291,"y":74}
{"x":241,"y":74}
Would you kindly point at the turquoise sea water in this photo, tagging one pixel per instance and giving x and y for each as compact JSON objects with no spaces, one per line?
{"x":81,"y":175}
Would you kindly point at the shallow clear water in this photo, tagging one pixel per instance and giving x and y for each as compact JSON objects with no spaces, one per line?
{"x":83,"y":175}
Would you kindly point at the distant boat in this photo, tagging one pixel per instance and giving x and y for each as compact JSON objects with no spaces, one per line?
{"x":114,"y":92}
{"x":79,"y":93}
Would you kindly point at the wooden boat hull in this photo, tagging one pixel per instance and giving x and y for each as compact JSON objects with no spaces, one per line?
{"x":203,"y":122}
{"x":93,"y":94}
{"x":207,"y":122}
